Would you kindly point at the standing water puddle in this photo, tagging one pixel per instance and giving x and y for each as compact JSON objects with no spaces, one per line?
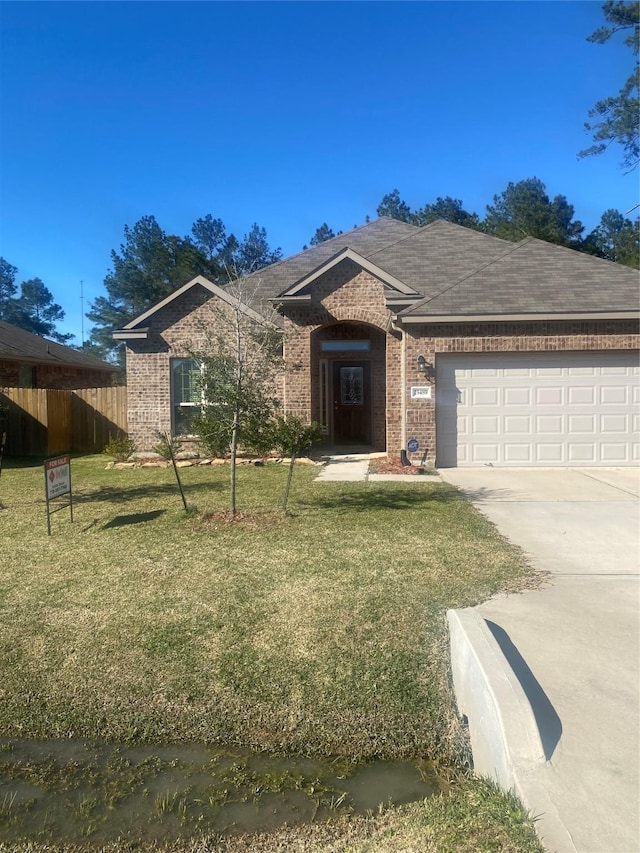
{"x":84,"y":793}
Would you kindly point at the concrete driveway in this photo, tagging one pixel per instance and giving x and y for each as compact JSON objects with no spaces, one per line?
{"x":578,"y":638}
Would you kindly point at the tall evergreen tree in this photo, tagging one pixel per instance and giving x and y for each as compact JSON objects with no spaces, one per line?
{"x":254,"y":252}
{"x":34,"y":309}
{"x":152,"y":264}
{"x":447,"y":208}
{"x":618,"y":117}
{"x":616,"y":238}
{"x":524,"y":209}
{"x":8,"y":287}
{"x":394,"y":207}
{"x":149,"y":266}
{"x":322,"y":234}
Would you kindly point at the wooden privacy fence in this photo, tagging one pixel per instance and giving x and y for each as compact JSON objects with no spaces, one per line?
{"x":45,"y":422}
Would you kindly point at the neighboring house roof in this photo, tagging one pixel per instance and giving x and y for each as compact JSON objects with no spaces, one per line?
{"x":533,"y":277}
{"x":19,"y":345}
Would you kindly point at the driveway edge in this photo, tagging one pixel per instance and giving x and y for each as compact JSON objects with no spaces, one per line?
{"x":505,"y":739}
{"x":503,"y":730}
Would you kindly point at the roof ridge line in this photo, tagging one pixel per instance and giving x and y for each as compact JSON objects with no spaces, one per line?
{"x":484,"y":266}
{"x":344,"y":234}
{"x":419,"y":230}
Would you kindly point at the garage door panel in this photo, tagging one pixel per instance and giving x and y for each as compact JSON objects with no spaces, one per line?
{"x":549,"y":424}
{"x":484,"y":373}
{"x":517,"y":454}
{"x":485,"y":396}
{"x":549,"y":453}
{"x":581,"y":396}
{"x":582,"y":424}
{"x":463,"y":425}
{"x":515,"y":424}
{"x":614,"y":453}
{"x":483,"y":424}
{"x":587,"y":370}
{"x":614,"y":423}
{"x":484,"y":453}
{"x":517,"y":396}
{"x":614,"y":395}
{"x":581,"y":453}
{"x":549,"y":396}
{"x":548,"y":371}
{"x":539,"y":409}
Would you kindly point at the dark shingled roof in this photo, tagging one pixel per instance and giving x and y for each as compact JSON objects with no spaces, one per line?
{"x":437,"y":255}
{"x":534,"y":277}
{"x":18,"y":345}
{"x":366,"y":240}
{"x":458,"y":271}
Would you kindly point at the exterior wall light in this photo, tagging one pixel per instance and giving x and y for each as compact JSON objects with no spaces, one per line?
{"x":426,"y":368}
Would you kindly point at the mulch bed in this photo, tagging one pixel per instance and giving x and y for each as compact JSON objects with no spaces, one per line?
{"x":391,"y":465}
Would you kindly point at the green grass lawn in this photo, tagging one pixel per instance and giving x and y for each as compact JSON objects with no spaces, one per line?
{"x":318,"y":633}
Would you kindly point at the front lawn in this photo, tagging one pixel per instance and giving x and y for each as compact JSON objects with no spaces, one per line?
{"x":319,"y":633}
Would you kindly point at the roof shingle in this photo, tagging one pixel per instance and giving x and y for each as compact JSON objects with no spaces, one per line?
{"x":19,"y":345}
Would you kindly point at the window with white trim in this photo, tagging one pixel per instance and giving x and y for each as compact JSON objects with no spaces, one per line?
{"x":186,"y":393}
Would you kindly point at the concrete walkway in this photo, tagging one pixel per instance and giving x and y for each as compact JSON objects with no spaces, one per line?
{"x":355,"y":468}
{"x":573,"y":647}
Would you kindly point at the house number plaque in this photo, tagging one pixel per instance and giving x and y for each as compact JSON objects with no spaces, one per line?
{"x":421,"y":392}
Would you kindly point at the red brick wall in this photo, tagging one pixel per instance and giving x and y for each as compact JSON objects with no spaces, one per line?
{"x":54,"y":376}
{"x":544,"y":336}
{"x":185,"y":327}
{"x":343,"y":295}
{"x":347,"y":295}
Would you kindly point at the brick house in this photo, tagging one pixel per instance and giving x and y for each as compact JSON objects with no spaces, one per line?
{"x":459,"y":347}
{"x":29,"y":361}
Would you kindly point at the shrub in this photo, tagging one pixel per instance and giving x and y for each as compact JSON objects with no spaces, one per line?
{"x":167,"y":446}
{"x":119,"y":447}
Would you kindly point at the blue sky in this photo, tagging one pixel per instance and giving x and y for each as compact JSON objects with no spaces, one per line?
{"x":285,"y":114}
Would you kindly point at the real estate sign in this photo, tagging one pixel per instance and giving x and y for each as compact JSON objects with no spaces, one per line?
{"x":57,"y":481}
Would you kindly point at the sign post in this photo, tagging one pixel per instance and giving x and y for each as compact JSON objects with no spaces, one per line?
{"x":57,"y":484}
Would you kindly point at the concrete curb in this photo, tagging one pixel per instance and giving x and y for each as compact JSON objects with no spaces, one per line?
{"x":505,"y":739}
{"x":503,"y":730}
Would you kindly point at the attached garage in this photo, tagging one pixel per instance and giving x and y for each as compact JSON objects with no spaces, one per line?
{"x":547,"y":409}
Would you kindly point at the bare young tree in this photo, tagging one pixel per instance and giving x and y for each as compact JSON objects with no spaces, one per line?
{"x":241,"y":361}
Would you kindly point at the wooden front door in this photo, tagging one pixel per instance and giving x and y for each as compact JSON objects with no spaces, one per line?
{"x":351,"y":402}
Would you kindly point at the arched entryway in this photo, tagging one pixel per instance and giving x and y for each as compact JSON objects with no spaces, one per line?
{"x":348,"y":389}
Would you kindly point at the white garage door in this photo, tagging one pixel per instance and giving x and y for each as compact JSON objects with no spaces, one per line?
{"x":520,"y":409}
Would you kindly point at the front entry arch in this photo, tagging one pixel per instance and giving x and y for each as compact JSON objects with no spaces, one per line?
{"x":349,"y":384}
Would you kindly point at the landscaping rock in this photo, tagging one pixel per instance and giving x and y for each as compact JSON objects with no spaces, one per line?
{"x":187,"y":454}
{"x":185,"y":463}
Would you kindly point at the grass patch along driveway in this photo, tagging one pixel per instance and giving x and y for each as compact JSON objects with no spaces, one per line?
{"x":318,"y":633}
